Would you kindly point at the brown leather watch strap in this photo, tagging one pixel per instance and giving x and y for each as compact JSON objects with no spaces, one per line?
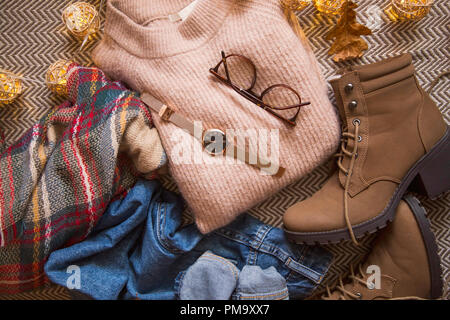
{"x":168,"y":114}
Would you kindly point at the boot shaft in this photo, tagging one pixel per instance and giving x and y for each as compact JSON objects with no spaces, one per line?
{"x":402,"y":262}
{"x":401,"y":255}
{"x":398,"y":122}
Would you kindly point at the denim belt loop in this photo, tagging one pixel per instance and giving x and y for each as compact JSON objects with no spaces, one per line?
{"x":303,"y":270}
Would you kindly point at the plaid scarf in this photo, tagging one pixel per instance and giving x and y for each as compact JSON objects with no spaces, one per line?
{"x":57,"y":180}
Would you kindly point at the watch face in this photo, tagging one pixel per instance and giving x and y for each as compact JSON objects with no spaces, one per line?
{"x":214,"y":141}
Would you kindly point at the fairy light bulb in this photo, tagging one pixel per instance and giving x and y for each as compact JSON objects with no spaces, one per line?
{"x":295,"y":5}
{"x":408,"y":9}
{"x":56,"y":77}
{"x":329,"y":7}
{"x":81,"y":19}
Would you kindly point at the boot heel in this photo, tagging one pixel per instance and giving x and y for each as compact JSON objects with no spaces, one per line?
{"x":433,"y":178}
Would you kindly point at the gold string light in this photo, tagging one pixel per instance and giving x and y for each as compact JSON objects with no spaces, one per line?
{"x":56,"y":76}
{"x":408,"y":9}
{"x":329,"y":7}
{"x":82,"y":20}
{"x":10,"y":87}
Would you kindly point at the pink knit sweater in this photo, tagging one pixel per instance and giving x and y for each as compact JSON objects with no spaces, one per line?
{"x":171,"y":60}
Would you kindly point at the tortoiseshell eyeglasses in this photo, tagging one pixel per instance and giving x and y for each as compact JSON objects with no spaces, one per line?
{"x":239,"y":73}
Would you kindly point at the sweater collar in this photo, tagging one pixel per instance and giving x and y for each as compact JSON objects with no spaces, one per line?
{"x":137,"y":25}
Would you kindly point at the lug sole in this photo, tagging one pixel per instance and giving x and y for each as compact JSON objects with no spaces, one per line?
{"x":434,"y":261}
{"x":437,"y":158}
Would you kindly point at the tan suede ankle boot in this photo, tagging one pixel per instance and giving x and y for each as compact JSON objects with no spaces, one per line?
{"x":404,"y":254}
{"x":393,"y":137}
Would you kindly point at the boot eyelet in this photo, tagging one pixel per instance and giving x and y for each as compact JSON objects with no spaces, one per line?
{"x":359,"y":295}
{"x":356,"y":121}
{"x":359,"y":138}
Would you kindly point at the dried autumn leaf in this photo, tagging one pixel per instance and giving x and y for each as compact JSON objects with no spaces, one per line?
{"x":347,"y":33}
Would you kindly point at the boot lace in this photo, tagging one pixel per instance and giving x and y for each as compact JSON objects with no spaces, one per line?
{"x":346,"y":136}
{"x":344,"y":294}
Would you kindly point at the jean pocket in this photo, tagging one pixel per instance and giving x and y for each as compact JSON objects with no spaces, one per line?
{"x":258,"y":284}
{"x":211,"y":277}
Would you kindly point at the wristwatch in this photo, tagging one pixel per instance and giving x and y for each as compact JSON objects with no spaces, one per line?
{"x":209,"y":138}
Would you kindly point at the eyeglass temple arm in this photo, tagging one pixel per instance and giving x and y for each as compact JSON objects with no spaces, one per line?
{"x":294,"y":106}
{"x":224,"y":60}
{"x":258,"y":100}
{"x":290,"y":121}
{"x":251,"y":95}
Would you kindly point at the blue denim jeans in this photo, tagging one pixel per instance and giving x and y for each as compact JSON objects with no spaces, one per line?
{"x":213,"y":277}
{"x":139,"y":247}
